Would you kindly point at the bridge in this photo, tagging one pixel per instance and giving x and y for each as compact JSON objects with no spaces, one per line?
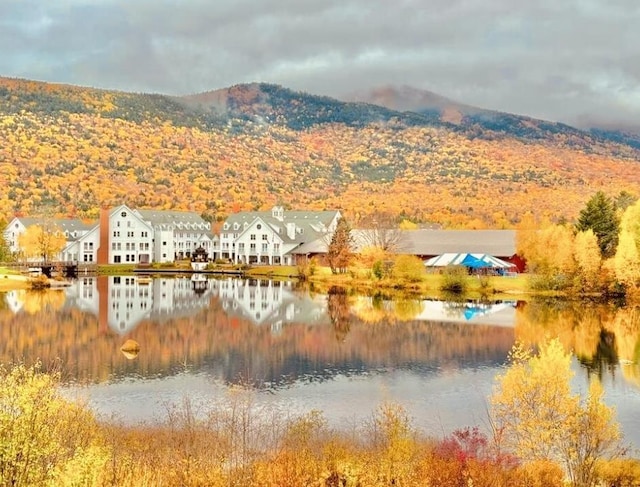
{"x":69,"y":269}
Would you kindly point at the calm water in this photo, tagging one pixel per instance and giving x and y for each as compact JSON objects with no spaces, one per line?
{"x":298,"y":350}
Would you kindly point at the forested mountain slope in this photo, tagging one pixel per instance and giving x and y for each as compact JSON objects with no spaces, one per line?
{"x":69,"y":150}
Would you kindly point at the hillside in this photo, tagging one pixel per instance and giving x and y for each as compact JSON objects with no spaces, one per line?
{"x":69,"y":150}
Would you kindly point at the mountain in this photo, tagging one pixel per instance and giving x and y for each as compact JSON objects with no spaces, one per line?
{"x":409,"y":99}
{"x":69,"y":150}
{"x":470,"y":119}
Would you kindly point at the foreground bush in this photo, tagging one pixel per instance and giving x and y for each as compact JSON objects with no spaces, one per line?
{"x":40,"y":432}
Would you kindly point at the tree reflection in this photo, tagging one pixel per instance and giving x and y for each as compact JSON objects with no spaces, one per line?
{"x":604,"y":337}
{"x":338,"y":310}
{"x":605,"y":358}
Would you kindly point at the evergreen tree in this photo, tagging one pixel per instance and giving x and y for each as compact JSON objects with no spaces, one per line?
{"x":339,"y":252}
{"x":624,"y":200}
{"x":600,"y":216}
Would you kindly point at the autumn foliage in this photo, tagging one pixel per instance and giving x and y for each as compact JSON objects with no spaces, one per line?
{"x":74,"y":149}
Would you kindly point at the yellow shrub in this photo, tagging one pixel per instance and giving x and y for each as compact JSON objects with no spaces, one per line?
{"x":39,"y":430}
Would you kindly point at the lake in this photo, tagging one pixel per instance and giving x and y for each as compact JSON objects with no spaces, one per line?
{"x":297,"y":350}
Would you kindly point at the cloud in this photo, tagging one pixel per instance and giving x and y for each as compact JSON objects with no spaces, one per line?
{"x":572,"y":60}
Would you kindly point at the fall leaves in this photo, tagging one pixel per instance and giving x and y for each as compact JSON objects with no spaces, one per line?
{"x":111,"y":148}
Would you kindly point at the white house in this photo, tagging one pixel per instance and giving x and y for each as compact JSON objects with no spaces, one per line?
{"x":124,"y":235}
{"x":134,"y":236}
{"x":178,"y":234}
{"x":271,"y":237}
{"x":73,"y":230}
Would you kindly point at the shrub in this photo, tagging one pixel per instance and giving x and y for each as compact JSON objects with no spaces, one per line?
{"x":377,"y":269}
{"x":623,"y":472}
{"x":408,"y":268}
{"x":454,"y":279}
{"x":39,"y":430}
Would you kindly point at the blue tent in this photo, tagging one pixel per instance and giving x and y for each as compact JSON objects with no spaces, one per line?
{"x":473,"y":261}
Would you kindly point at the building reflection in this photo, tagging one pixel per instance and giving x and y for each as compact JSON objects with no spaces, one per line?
{"x":268,"y":302}
{"x":123,"y":302}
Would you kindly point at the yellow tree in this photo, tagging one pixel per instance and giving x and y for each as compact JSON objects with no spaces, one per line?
{"x":588,"y":259}
{"x":536,"y":416}
{"x":627,"y":257}
{"x":41,"y":241}
{"x":40,"y":431}
{"x":548,"y":251}
{"x":627,"y":261}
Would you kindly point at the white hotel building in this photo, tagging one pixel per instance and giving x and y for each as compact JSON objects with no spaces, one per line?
{"x":133,"y":236}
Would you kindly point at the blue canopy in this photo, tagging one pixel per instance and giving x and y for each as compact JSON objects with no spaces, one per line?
{"x":474,"y":261}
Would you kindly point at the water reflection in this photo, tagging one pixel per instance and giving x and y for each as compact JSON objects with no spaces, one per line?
{"x":263,"y":332}
{"x":316,"y":350}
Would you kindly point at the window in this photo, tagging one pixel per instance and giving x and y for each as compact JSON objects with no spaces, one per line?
{"x":144,"y":234}
{"x":264,"y":247}
{"x":258,"y":226}
{"x":240,"y":247}
{"x":130,"y":234}
{"x":265,"y":237}
{"x":123,"y":214}
{"x":276,"y":247}
{"x":116,"y":260}
{"x":164,"y":244}
{"x":113,"y":245}
{"x":253,"y":236}
{"x":116,"y":234}
{"x":253,"y":247}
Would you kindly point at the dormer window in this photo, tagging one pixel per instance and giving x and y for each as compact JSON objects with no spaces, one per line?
{"x":226,"y":226}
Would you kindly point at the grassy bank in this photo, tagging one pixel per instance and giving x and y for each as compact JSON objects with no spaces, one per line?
{"x":430,"y":285}
{"x":11,"y":280}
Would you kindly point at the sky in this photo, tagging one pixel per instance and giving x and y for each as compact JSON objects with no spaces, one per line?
{"x":575,"y":61}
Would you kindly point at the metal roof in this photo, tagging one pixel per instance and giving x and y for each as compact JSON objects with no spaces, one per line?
{"x":500,"y":243}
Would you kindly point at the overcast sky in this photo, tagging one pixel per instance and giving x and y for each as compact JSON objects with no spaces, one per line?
{"x":566,"y":60}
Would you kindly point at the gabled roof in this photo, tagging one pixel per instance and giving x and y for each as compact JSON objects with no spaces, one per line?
{"x":500,"y":243}
{"x":317,"y":246}
{"x":310,"y":225}
{"x":64,"y":224}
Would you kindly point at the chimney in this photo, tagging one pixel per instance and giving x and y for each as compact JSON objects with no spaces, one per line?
{"x":103,"y":244}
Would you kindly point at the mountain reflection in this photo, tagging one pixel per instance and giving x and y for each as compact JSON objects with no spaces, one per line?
{"x":270,"y":333}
